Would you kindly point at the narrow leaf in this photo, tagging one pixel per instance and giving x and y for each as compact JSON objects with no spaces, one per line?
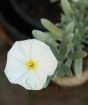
{"x":63,"y":70}
{"x":40,"y":35}
{"x":63,"y":48}
{"x":68,"y":62}
{"x":78,"y":66}
{"x":44,"y":36}
{"x":54,"y":49}
{"x":56,"y":32}
{"x":78,"y":54}
{"x":67,"y":9}
{"x":70,"y":27}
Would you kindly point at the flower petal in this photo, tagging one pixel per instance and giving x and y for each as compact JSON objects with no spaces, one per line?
{"x":32,"y":81}
{"x":26,"y":46}
{"x":16,"y":52}
{"x":48,"y":63}
{"x":38,"y":49}
{"x":23,"y":82}
{"x":36,"y":82}
{"x":14,"y":69}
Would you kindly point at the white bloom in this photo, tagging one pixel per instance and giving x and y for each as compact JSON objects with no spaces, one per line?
{"x":29,"y":63}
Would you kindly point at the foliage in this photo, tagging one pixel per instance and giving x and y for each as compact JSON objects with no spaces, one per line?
{"x":69,"y":39}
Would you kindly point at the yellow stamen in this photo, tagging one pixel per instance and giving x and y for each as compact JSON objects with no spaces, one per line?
{"x":32,"y":65}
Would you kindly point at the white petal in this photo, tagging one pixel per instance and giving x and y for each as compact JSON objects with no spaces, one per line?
{"x":16,"y":52}
{"x":42,"y":77}
{"x":14,"y":69}
{"x":38,"y":49}
{"x":12,"y":63}
{"x":32,"y":81}
{"x":26,"y":46}
{"x":36,"y":81}
{"x":48,"y":63}
{"x":23,"y":82}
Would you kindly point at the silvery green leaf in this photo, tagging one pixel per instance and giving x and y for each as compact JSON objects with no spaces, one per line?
{"x":63,"y":70}
{"x":69,"y":62}
{"x":63,"y":48}
{"x":78,"y":66}
{"x":60,"y":71}
{"x":42,"y":36}
{"x":70,"y":37}
{"x":67,"y":70}
{"x":56,"y":32}
{"x":71,"y":45}
{"x":83,"y":3}
{"x":70,"y":27}
{"x":51,"y":40}
{"x":67,"y":9}
{"x":78,"y":54}
{"x":54,"y":49}
{"x":78,"y":36}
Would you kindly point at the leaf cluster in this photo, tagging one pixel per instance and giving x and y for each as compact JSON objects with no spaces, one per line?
{"x":67,"y":39}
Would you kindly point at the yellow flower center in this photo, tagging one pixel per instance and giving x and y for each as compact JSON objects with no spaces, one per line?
{"x":32,"y":64}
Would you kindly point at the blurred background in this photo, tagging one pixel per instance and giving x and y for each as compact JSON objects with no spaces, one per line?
{"x":17,"y":19}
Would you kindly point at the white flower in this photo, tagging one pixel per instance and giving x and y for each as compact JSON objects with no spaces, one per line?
{"x":29,"y":63}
